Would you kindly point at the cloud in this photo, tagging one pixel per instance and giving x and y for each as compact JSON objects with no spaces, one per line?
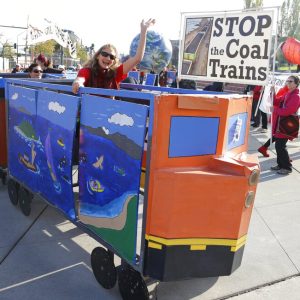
{"x":15,"y":96}
{"x":121,"y":119}
{"x":55,"y":106}
{"x":105,"y":130}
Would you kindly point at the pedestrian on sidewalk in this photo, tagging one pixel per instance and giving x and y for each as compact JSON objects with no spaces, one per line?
{"x":258,"y":116}
{"x":285,"y":106}
{"x":264,"y":149}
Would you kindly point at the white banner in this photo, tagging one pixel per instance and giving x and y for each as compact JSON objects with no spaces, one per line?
{"x":227,"y":47}
{"x":278,"y":79}
{"x":51,"y":32}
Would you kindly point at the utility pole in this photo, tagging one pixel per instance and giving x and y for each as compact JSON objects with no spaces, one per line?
{"x":26,"y":43}
{"x":15,"y":27}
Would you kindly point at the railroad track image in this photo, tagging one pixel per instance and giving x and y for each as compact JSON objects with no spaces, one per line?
{"x":197,"y":38}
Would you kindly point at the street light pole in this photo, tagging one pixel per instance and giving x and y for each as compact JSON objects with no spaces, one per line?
{"x":18,"y":44}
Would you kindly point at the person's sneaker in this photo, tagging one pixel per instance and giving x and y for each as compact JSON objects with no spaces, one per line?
{"x":284,"y":172}
{"x":264,"y":130}
{"x":275,"y":168}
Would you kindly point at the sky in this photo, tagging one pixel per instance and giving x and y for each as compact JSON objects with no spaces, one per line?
{"x":100,"y":22}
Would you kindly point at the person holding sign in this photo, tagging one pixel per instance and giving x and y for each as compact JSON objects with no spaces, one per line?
{"x":103,"y":69}
{"x":285,"y":124}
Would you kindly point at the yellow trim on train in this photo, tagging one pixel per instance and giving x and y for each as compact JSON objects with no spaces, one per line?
{"x":154,"y":245}
{"x":196,"y":243}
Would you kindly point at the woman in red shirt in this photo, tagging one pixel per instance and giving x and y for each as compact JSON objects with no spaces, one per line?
{"x":103,"y":69}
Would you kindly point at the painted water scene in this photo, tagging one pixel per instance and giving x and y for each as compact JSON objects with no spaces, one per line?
{"x":111,"y":146}
{"x":44,"y":134}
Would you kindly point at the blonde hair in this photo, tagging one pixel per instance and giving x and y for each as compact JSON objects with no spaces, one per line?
{"x":93,"y":62}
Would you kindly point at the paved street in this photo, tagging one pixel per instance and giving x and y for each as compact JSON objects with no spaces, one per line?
{"x":44,"y":256}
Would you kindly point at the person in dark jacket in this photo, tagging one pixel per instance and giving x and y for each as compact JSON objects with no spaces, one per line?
{"x":16,"y":69}
{"x":215,"y":87}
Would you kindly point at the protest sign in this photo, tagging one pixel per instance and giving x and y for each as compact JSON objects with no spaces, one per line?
{"x":228,"y":47}
{"x":51,"y":32}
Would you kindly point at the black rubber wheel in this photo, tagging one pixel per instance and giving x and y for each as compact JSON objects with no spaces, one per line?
{"x":103,"y":267}
{"x":25,"y":198}
{"x":13,"y":191}
{"x":131,"y":284}
{"x":3,"y":179}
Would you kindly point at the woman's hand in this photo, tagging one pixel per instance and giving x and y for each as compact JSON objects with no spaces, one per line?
{"x":147,"y":24}
{"x":77,"y":83}
{"x":133,"y":61}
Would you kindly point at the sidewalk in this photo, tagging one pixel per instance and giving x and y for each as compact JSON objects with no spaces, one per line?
{"x":44,"y":256}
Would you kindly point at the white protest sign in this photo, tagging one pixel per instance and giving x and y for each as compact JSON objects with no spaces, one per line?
{"x":51,"y":32}
{"x":228,"y":47}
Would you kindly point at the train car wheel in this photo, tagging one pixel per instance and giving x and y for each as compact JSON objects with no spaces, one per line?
{"x":131,"y":284}
{"x":13,"y":191}
{"x":103,"y":267}
{"x":25,"y":198}
{"x":3,"y":179}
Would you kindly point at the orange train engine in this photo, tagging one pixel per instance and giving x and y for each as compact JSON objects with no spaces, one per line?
{"x":201,"y":187}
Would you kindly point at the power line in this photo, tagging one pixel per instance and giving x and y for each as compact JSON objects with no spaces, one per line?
{"x":17,"y":27}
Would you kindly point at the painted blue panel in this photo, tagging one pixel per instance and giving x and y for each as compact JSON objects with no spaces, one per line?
{"x":57,"y":108}
{"x":23,"y":137}
{"x":193,"y":136}
{"x":236,"y":130}
{"x":111,"y":148}
{"x":2,"y":83}
{"x":134,"y":74}
{"x":23,"y":99}
{"x":56,"y":121}
{"x":150,"y":79}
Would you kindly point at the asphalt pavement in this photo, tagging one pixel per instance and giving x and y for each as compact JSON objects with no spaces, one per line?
{"x":44,"y":256}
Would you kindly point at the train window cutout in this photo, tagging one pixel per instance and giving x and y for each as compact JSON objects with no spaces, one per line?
{"x":192,"y":136}
{"x":236,"y":130}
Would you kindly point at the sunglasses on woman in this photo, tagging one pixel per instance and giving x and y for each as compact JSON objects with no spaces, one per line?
{"x":106,"y":54}
{"x":37,"y":71}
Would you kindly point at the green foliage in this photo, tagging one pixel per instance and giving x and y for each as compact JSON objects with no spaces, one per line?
{"x":82,"y":53}
{"x":46,"y":47}
{"x":253,"y":3}
{"x":8,"y":50}
{"x":289,"y":19}
{"x":288,"y":24}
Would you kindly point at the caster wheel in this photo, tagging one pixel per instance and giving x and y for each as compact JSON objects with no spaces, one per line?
{"x":13,"y":191}
{"x":103,"y":268}
{"x":25,"y":198}
{"x":131,"y":284}
{"x":3,"y":179}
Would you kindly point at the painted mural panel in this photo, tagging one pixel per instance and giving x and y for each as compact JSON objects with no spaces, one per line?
{"x":111,"y":146}
{"x":23,"y":137}
{"x":56,"y":123}
{"x":237,"y":130}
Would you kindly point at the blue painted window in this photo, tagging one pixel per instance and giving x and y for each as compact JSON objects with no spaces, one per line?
{"x":237,"y":130}
{"x":193,"y":136}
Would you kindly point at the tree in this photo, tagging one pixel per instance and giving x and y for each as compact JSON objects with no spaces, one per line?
{"x":289,"y":19}
{"x":288,"y":24}
{"x":8,"y":50}
{"x":253,"y":3}
{"x":47,"y":48}
{"x":82,"y":53}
